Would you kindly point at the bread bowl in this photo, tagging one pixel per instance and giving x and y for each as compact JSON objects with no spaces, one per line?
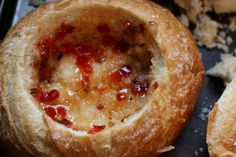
{"x":66,"y":67}
{"x":221,"y":131}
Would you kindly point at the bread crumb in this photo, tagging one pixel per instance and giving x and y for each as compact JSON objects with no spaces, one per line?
{"x":204,"y":114}
{"x":184,"y":20}
{"x":229,"y":40}
{"x":232,"y":24}
{"x":166,"y":149}
{"x":226,"y":69}
{"x":208,"y":32}
{"x":201,"y":149}
{"x":196,"y":153}
{"x":193,"y":8}
{"x":223,"y":6}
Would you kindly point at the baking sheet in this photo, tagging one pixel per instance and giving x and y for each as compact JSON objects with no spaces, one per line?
{"x":191,"y":142}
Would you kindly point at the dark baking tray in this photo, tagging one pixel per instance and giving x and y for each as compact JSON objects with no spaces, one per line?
{"x":192,"y":141}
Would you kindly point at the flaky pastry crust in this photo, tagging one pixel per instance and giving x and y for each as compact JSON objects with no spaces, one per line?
{"x":177,"y":66}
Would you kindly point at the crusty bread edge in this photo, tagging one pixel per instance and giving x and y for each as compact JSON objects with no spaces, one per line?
{"x":221,"y":131}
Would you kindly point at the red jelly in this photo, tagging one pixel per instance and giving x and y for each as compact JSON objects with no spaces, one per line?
{"x":85,"y":55}
{"x":96,"y":128}
{"x":140,"y":88}
{"x":155,"y":85}
{"x":45,"y":97}
{"x":36,"y":93}
{"x":51,"y":111}
{"x":61,"y":110}
{"x":58,"y":114}
{"x":123,"y":72}
{"x":50,"y":96}
{"x":116,"y":77}
{"x":66,"y":122}
{"x":46,"y":46}
{"x":121,"y":97}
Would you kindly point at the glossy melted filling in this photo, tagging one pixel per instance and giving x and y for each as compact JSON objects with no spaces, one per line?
{"x":92,"y":79}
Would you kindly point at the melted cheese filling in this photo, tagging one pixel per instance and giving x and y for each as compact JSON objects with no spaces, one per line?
{"x":96,"y":92}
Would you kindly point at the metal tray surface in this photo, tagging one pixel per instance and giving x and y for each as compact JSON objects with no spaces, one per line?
{"x":192,"y":140}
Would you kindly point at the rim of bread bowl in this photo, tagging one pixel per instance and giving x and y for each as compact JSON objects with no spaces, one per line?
{"x":183,"y":71}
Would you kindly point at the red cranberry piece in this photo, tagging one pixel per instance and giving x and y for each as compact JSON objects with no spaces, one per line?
{"x":50,"y":96}
{"x":155,"y":85}
{"x":84,"y":63}
{"x":58,"y":114}
{"x":96,"y":128}
{"x":85,"y":54}
{"x":36,"y":93}
{"x":100,"y":106}
{"x":66,"y":122}
{"x":53,"y":94}
{"x":116,"y":77}
{"x":103,"y":28}
{"x":51,"y":111}
{"x":121,"y":97}
{"x":140,"y":88}
{"x":61,"y":110}
{"x":123,"y":72}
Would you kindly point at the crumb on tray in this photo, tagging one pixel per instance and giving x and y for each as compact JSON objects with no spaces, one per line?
{"x":209,"y":32}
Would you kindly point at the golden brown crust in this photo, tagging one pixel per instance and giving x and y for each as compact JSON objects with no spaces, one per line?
{"x":31,"y":133}
{"x":221,"y":131}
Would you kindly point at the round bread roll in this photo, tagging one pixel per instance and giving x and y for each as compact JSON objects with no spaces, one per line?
{"x":96,"y":79}
{"x":221,"y":131}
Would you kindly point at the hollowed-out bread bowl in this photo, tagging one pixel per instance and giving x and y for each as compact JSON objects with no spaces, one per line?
{"x":97,"y":78}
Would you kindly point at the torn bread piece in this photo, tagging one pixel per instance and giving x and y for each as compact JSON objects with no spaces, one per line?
{"x":221,"y":130}
{"x":226,"y":69}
